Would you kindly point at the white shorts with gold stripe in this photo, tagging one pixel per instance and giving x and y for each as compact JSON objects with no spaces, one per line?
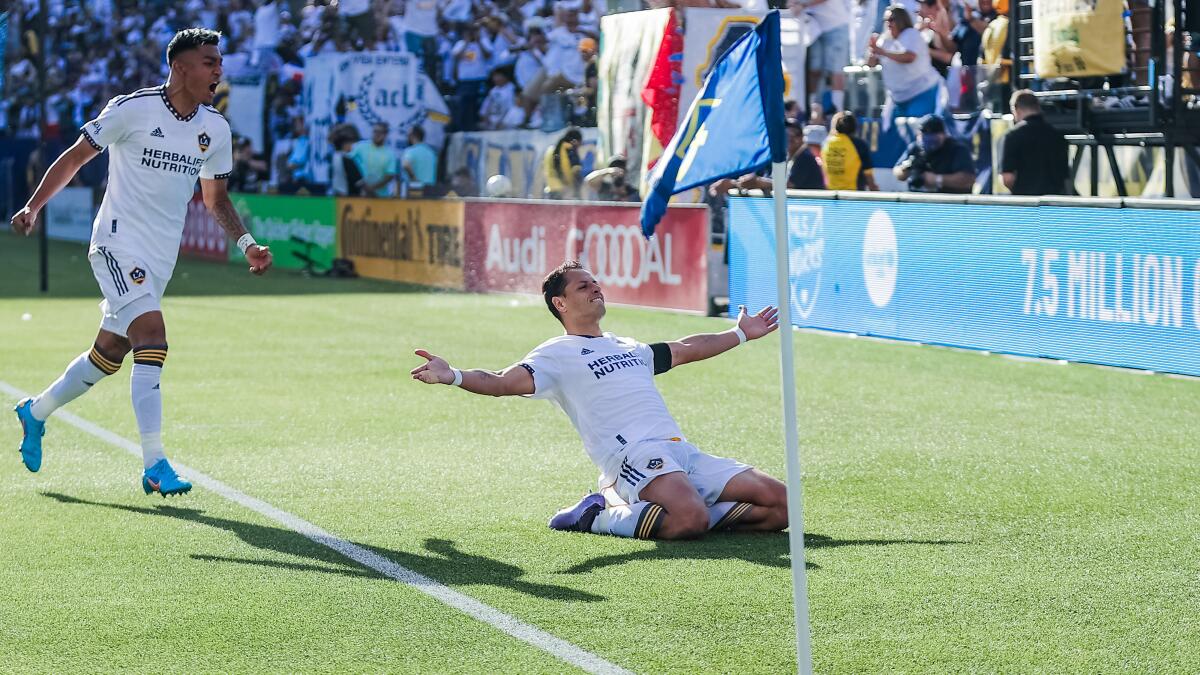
{"x":129,"y":288}
{"x":644,"y":461}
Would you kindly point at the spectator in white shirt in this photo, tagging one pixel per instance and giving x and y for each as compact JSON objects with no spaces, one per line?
{"x":562,"y":57}
{"x":913,"y":85}
{"x":589,"y":18}
{"x":503,"y":40}
{"x":830,"y":51}
{"x":457,"y":11}
{"x":359,"y":20}
{"x":863,"y":15}
{"x":497,"y":108}
{"x":471,"y":56}
{"x":421,"y":26}
{"x":266,"y":33}
{"x":529,"y":63}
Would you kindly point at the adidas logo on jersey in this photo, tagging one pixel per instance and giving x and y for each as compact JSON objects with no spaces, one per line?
{"x":157,"y":133}
{"x":585,"y":352}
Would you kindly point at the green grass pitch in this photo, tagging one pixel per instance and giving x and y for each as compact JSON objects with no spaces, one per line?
{"x":963,"y":512}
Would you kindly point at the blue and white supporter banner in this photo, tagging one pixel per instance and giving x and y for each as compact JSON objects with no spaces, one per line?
{"x":1102,"y":285}
{"x":363,"y":88}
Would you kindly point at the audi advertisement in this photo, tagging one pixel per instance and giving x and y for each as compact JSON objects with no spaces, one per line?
{"x":202,"y":237}
{"x":511,"y":246}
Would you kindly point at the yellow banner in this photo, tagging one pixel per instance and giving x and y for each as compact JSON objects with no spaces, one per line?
{"x":415,"y":241}
{"x":1078,"y":38}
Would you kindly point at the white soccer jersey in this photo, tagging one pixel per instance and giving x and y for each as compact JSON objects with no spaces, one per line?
{"x":154,"y":157}
{"x":606,"y":386}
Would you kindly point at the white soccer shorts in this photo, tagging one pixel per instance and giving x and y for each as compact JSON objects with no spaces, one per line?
{"x":129,"y":289}
{"x":647,"y":460}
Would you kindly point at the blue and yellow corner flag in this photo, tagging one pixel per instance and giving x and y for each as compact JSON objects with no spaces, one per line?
{"x":734,"y":127}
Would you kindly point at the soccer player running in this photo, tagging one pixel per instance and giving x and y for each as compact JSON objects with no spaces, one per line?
{"x":159,"y":140}
{"x":605,"y":385}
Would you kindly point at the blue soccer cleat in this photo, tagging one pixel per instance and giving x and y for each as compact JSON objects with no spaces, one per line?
{"x":579,"y":518}
{"x":161,"y":478}
{"x":31,"y":444}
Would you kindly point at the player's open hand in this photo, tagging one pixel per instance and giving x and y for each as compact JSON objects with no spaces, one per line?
{"x":758,"y":325}
{"x":260,"y":258}
{"x":435,"y":370}
{"x":24,"y":221}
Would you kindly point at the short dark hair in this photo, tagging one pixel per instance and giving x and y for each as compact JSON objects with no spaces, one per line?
{"x":189,"y":39}
{"x":555,"y":284}
{"x":901,"y":19}
{"x":417,"y":132}
{"x":1025,"y":100}
{"x":845,"y":123}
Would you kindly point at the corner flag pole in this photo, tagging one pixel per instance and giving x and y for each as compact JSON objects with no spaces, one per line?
{"x":795,"y":496}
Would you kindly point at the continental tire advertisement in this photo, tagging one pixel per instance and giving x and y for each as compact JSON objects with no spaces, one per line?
{"x":1077,"y":38}
{"x":414,"y":241}
{"x":293,"y":227}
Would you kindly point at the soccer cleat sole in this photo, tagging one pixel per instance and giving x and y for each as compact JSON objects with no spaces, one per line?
{"x":149,"y":489}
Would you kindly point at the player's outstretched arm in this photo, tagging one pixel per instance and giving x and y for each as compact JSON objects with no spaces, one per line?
{"x":512,"y":381}
{"x":216,"y":198}
{"x":57,"y":177}
{"x":707,"y":345}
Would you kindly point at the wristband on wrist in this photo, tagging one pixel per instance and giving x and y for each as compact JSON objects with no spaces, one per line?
{"x":741,"y":336}
{"x":246,"y":241}
{"x":457,"y":377}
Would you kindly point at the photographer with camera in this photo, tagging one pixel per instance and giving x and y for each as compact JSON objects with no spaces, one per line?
{"x":609,"y":184}
{"x":936,"y":162}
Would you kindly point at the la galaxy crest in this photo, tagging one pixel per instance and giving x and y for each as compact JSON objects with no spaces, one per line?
{"x":654,"y":464}
{"x":204,"y":141}
{"x":138,"y":275}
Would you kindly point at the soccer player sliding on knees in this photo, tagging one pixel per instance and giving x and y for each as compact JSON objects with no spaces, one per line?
{"x":605,"y":385}
{"x":158,"y":140}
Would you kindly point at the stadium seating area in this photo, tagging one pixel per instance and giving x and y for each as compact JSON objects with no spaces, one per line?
{"x":540,"y":45}
{"x":499,"y":64}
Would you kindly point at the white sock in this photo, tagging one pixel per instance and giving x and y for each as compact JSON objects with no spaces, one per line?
{"x":723,"y":515}
{"x":87,"y":369}
{"x":147,"y":400}
{"x":641,"y":520}
{"x":839,"y":99}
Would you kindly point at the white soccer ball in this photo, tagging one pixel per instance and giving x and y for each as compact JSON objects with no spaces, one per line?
{"x":499,"y":186}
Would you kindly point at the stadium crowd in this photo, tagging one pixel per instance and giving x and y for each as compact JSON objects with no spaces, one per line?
{"x":500,"y":64}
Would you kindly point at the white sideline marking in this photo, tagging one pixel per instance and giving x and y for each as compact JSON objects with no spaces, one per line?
{"x":556,"y":647}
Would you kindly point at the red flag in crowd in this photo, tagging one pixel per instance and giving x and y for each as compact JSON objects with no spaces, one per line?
{"x":661,"y":93}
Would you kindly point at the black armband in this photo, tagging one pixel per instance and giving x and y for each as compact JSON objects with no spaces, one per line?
{"x":662,"y":357}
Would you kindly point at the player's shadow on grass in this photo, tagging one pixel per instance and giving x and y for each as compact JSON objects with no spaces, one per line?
{"x":441,"y":561}
{"x":769,"y":549}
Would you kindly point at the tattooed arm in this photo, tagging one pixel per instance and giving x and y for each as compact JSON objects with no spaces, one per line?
{"x":216,"y":198}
